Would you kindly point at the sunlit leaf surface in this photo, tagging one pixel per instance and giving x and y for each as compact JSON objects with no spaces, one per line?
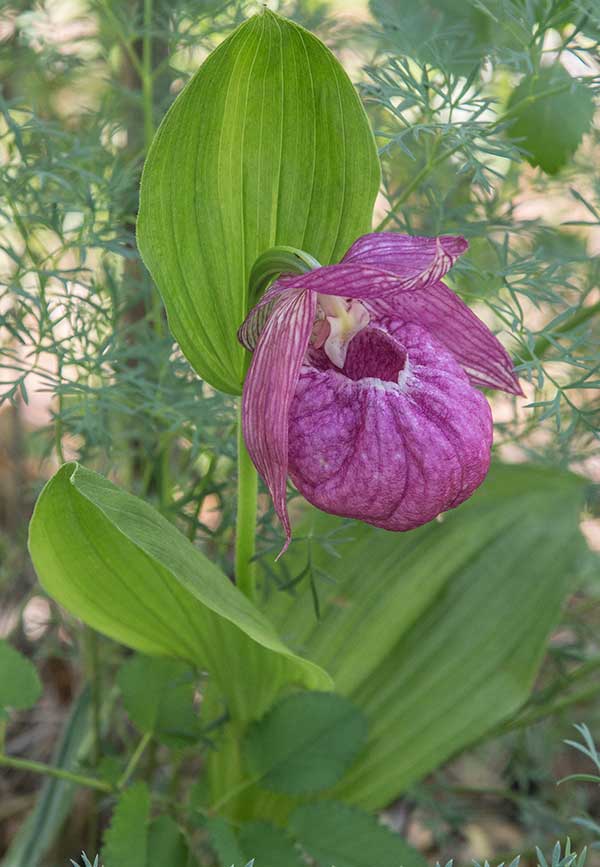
{"x":268,"y":144}
{"x":552,"y":112}
{"x":306,"y":742}
{"x":114,"y":561}
{"x":437,"y":634}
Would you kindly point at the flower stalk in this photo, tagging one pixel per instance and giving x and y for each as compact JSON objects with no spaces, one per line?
{"x":245,"y":537}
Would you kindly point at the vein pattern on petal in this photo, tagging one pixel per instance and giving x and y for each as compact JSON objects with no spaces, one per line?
{"x":269,"y":390}
{"x":393,"y":456}
{"x":444,"y":315}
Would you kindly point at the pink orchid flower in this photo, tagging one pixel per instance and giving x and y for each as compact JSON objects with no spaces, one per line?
{"x":361,"y":385}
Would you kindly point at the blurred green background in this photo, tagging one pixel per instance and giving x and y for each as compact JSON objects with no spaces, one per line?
{"x":470,"y":144}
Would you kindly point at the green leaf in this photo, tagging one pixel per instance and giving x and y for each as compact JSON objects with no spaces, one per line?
{"x":114,"y":561}
{"x":305,"y":743}
{"x":224,"y":841}
{"x":111,"y":768}
{"x":437,"y":635}
{"x":268,"y":845}
{"x":551,"y":111}
{"x":337,"y":834}
{"x":267,"y":145}
{"x":261,"y":842}
{"x":20,"y":685}
{"x":166,"y":844}
{"x":158,"y":695}
{"x":125,"y":842}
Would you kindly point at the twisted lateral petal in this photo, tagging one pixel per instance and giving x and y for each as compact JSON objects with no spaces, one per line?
{"x":407,"y":256}
{"x":269,"y":389}
{"x":447,"y":318}
{"x":369,"y":270}
{"x":376,"y":266}
{"x":435,"y":307}
{"x":392,"y":455}
{"x":347,"y":281}
{"x":252,"y":326}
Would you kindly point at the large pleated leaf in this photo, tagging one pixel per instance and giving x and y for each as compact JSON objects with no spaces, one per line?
{"x":305,"y":743}
{"x":116,"y":563}
{"x":436,"y":635}
{"x":267,"y":145}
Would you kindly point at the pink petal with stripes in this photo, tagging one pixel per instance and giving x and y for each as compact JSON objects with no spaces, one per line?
{"x":379,"y":265}
{"x":252,"y":326}
{"x":391,"y":452}
{"x":407,"y":256}
{"x":435,"y":306}
{"x":447,"y":318}
{"x":387,"y":428}
{"x":269,"y":390}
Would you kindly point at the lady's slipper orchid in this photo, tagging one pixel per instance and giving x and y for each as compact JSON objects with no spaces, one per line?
{"x":361,"y":385}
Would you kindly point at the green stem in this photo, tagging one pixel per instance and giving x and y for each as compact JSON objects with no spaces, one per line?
{"x":147,"y":76}
{"x":146,"y":73}
{"x":134,"y":760}
{"x":245,"y":538}
{"x":126,"y":43}
{"x":90,"y":642}
{"x":200,"y":495}
{"x":58,"y":424}
{"x":92,"y":659}
{"x":48,"y":770}
{"x":580,"y":697}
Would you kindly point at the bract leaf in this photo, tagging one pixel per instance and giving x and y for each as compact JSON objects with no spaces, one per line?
{"x":267,"y":145}
{"x":20,"y":685}
{"x":334,"y":833}
{"x":305,"y":743}
{"x":436,"y":635}
{"x":113,"y":560}
{"x":550,"y":128}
